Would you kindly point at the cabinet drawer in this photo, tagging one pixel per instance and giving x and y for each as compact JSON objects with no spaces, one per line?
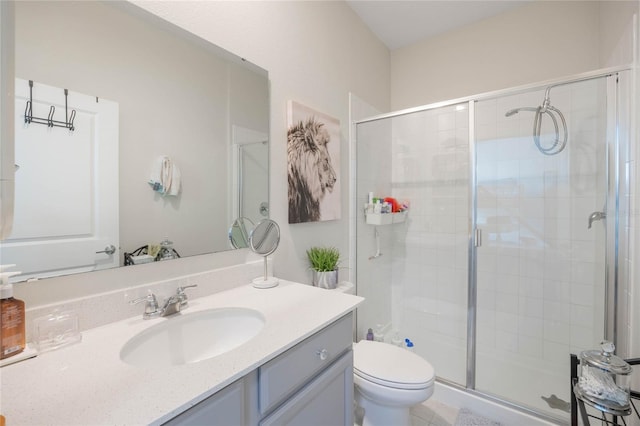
{"x":282,"y":376}
{"x":327,"y":400}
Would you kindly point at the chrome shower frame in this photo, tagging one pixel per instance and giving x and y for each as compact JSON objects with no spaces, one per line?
{"x":474,"y":236}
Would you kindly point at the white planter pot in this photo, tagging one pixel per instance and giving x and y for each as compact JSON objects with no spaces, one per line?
{"x":327,"y":279}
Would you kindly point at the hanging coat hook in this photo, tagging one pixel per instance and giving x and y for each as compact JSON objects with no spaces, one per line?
{"x":49,"y":121}
{"x":27,"y":113}
{"x":73,"y":117}
{"x":52,"y":111}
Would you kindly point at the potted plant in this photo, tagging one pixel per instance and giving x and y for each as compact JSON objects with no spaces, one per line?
{"x":324,"y":263}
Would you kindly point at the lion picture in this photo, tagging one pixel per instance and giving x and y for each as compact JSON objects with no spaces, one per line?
{"x":313,"y":164}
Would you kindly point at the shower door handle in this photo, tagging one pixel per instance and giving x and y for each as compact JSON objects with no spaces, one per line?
{"x":596,"y":216}
{"x":477,"y":237}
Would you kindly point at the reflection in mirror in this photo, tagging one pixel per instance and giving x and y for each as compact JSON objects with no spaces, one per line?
{"x":239,"y":232}
{"x":264,"y":240}
{"x":175,"y":97}
{"x":251,"y":173}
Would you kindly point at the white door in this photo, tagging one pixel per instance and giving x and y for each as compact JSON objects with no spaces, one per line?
{"x":66,"y":186}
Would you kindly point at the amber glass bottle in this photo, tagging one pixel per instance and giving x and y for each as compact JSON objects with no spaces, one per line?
{"x":12,"y":330}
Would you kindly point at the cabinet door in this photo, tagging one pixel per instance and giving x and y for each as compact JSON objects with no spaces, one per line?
{"x":283,"y":376}
{"x":325,"y":401}
{"x":228,"y":407}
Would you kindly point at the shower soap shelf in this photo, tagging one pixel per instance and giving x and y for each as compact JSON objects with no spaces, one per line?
{"x":386,"y":218}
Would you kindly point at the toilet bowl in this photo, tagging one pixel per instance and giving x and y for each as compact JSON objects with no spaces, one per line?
{"x":388,"y":381}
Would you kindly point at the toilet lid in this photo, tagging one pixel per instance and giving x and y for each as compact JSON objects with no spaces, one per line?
{"x":390,"y":365}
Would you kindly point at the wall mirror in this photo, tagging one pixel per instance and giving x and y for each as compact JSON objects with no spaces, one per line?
{"x":175,"y":97}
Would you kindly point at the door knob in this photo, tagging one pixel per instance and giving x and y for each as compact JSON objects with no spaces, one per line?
{"x":110,"y":249}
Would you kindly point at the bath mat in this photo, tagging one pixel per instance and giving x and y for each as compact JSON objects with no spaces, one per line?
{"x":467,"y":417}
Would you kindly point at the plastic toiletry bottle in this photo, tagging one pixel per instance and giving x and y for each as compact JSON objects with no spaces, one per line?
{"x":12,"y":329}
{"x":370,"y":334}
{"x":408,"y":344}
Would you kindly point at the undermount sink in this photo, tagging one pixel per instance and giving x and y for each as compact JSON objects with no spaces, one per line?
{"x":188,"y":338}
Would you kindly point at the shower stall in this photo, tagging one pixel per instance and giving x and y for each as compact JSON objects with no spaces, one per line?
{"x":513,"y":251}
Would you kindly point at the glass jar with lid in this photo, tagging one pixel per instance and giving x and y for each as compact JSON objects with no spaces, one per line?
{"x":604,"y":380}
{"x":166,"y":250}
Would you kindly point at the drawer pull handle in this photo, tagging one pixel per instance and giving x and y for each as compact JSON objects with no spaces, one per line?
{"x":323,"y":354}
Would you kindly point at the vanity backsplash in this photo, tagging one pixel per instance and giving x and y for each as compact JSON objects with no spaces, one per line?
{"x":107,"y":307}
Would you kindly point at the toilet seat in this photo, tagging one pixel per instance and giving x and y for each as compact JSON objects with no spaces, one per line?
{"x":391,"y":366}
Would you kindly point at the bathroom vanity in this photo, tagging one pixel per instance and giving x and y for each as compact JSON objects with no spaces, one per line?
{"x":296,"y":370}
{"x":311,"y":383}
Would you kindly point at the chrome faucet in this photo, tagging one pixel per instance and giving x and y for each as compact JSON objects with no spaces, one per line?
{"x":171,"y":306}
{"x":182,"y":295}
{"x":596,"y":216}
{"x":151,"y":308}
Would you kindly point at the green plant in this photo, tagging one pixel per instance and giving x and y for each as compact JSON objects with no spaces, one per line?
{"x":324,"y":259}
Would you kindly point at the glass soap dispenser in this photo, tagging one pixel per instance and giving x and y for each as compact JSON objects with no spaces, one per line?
{"x":12,"y":328}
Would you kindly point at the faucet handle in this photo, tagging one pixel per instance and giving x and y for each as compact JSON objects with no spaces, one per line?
{"x":182,"y":295}
{"x":151,"y":308}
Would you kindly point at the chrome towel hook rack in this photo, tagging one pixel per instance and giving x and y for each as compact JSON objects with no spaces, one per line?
{"x":49,"y":121}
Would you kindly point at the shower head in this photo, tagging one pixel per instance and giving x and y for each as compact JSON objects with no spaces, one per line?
{"x":554,"y":114}
{"x":517,"y":110}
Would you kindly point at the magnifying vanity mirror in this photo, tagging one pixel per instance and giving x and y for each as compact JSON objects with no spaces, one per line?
{"x":264,"y":240}
{"x":171,"y":95}
{"x":239,"y":232}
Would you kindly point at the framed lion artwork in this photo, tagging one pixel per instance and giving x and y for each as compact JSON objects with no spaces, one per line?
{"x":313,"y":165}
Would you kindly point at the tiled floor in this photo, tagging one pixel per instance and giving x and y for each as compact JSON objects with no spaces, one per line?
{"x":430,"y":413}
{"x":433,"y":413}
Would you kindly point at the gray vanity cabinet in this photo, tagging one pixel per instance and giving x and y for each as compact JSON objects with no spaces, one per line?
{"x":309,"y":384}
{"x":228,"y":407}
{"x":325,"y":401}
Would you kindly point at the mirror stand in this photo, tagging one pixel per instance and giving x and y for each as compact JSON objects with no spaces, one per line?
{"x":263,"y":240}
{"x":266,"y":281}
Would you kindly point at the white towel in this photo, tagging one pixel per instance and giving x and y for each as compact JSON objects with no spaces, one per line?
{"x":176,"y":181}
{"x":165,"y":177}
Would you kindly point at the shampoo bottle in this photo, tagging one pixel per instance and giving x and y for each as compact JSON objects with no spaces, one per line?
{"x":12,"y":330}
{"x":370,"y":334}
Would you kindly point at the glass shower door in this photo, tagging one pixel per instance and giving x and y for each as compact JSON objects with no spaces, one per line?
{"x":416,"y":287}
{"x":541,"y":264}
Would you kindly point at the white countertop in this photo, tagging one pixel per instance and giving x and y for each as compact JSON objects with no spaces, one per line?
{"x":88,"y":384}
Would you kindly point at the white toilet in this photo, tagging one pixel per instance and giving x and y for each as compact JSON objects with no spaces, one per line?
{"x":389,"y":380}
